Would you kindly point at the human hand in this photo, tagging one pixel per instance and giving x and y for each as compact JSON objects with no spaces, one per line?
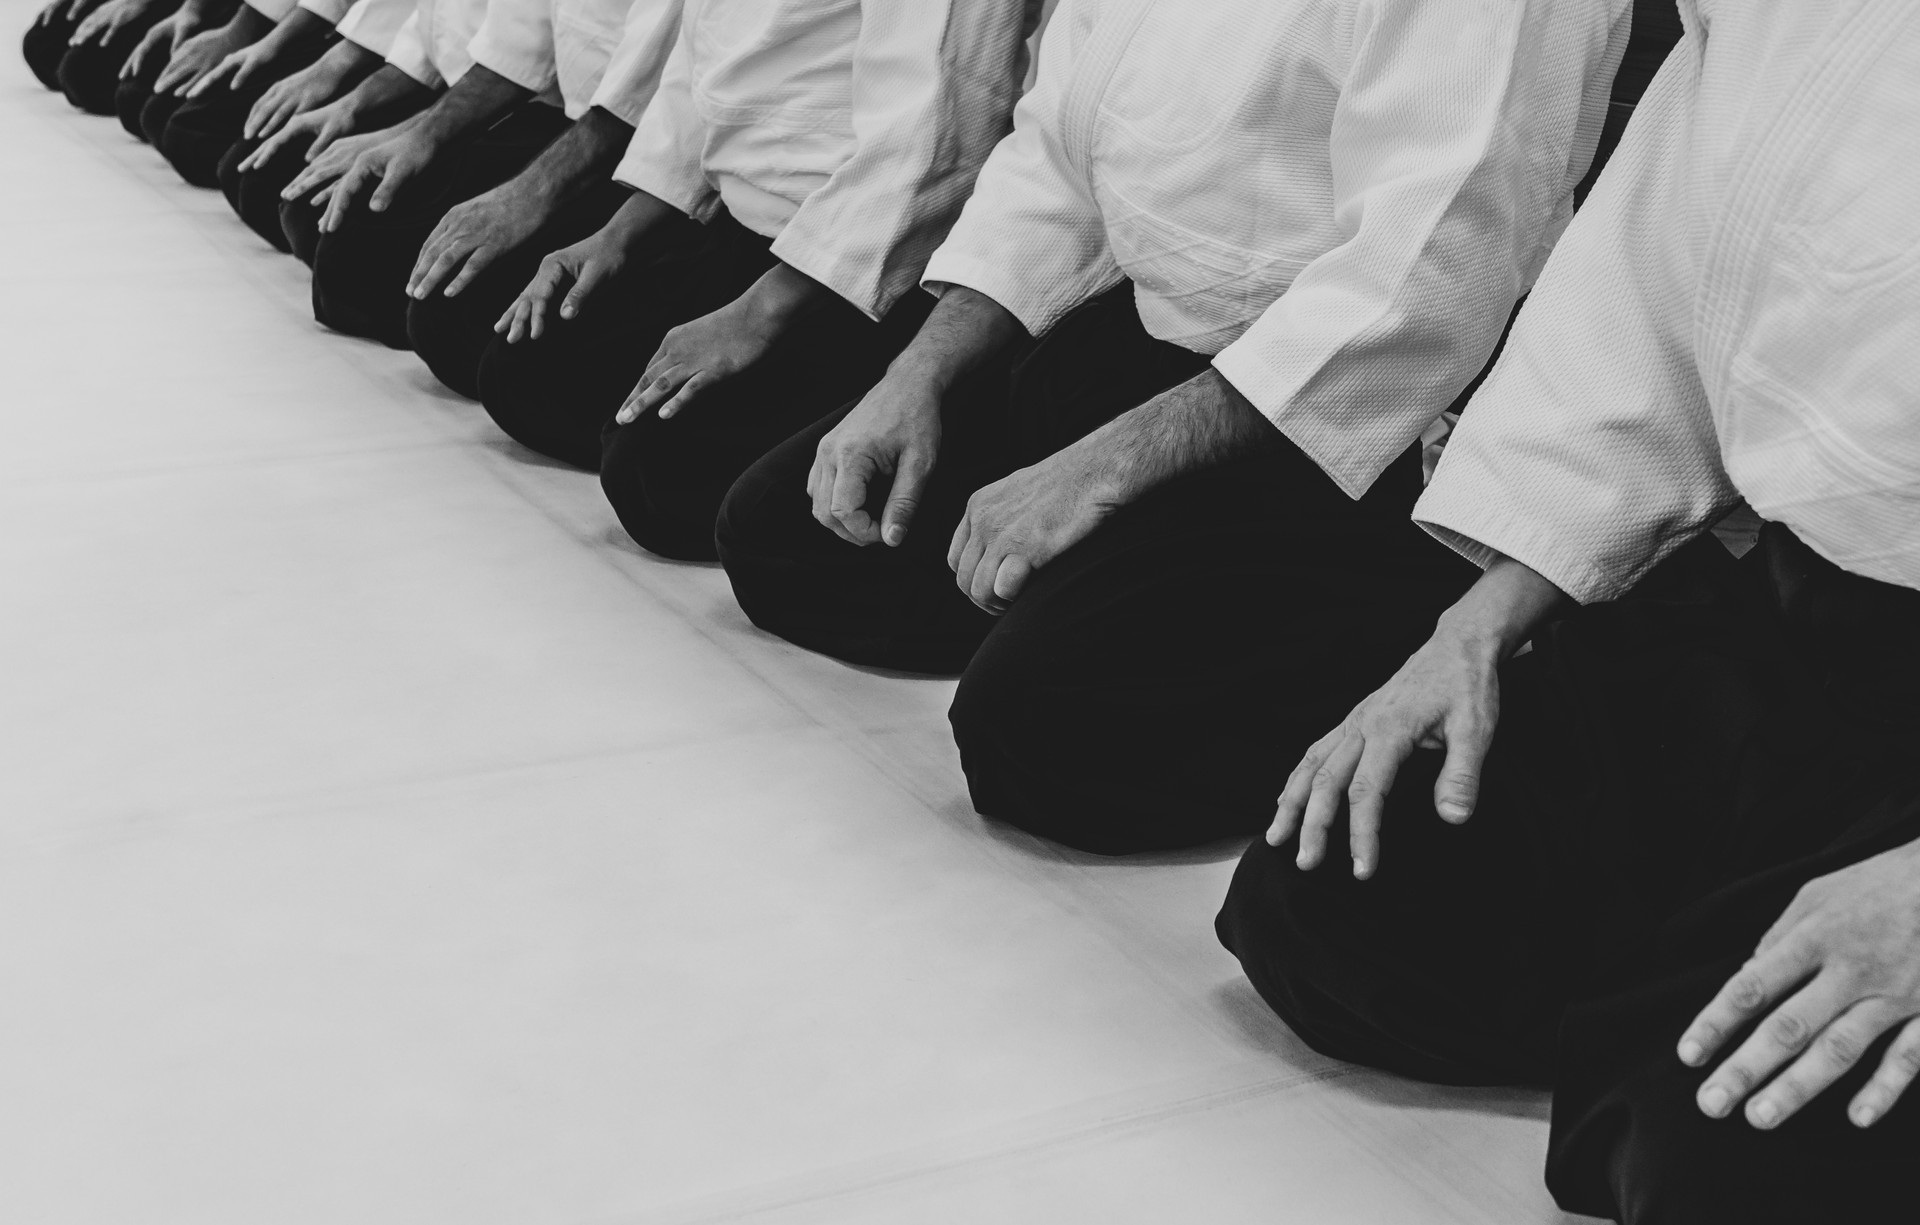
{"x":294,"y":94}
{"x":1836,"y":972}
{"x":471,"y":236}
{"x":62,"y":10}
{"x":577,"y":270}
{"x":103,"y":22}
{"x":238,"y":67}
{"x":893,"y":431}
{"x":386,"y":167}
{"x":329,"y":158}
{"x":1020,"y":523}
{"x":196,"y":56}
{"x":698,"y":356}
{"x":162,"y":39}
{"x":319,"y":127}
{"x":1447,"y":696}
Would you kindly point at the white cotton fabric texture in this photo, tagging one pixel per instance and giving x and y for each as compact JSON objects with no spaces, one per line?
{"x":272,"y":10}
{"x":558,"y":49}
{"x":1733,"y":314}
{"x":374,"y":24}
{"x":849,"y":131}
{"x":1342,"y":199}
{"x":632,"y":75}
{"x":431,"y":46}
{"x":333,"y":11}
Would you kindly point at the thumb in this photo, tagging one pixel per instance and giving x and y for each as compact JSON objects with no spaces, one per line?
{"x":1457,"y":791}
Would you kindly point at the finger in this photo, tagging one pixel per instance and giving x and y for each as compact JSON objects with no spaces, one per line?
{"x":1827,"y":1058}
{"x":337,"y":203}
{"x":514,"y":322}
{"x":323,"y":140}
{"x":1380,"y":762}
{"x":588,"y":280}
{"x":847,"y":499}
{"x":1779,"y":1037}
{"x":1009,"y":577}
{"x":436,"y":263}
{"x":1292,"y":804}
{"x":477,"y":263}
{"x":962,"y":537}
{"x":242,"y":71}
{"x":654,"y":387}
{"x":213,"y":76}
{"x":390,"y":183}
{"x":980,"y":576}
{"x":1323,"y":798}
{"x":688,"y":393}
{"x":1457,"y":791}
{"x":1762,"y":980}
{"x":909,"y":477}
{"x":1897,"y":1070}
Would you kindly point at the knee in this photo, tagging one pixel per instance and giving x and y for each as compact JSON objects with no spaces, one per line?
{"x":155,"y":113}
{"x":227,"y":172}
{"x":130,"y":98}
{"x":44,"y":46}
{"x":90,"y":80}
{"x":450,"y":340}
{"x":299,"y":226}
{"x":193,"y":149}
{"x":641,"y":479}
{"x":517,"y":388}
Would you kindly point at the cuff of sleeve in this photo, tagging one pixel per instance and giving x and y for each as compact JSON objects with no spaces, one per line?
{"x":852,"y":283}
{"x":272,"y":10}
{"x":1462,"y":516}
{"x":1037,"y":312}
{"x":533,"y":73}
{"x":687,"y":190}
{"x":329,"y":11}
{"x":1353,"y":453}
{"x":622,"y":103}
{"x":413,"y":61}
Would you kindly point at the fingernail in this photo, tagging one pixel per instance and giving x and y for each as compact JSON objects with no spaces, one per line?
{"x":1690,"y":1052}
{"x":1362,"y":869}
{"x":1765,"y":1113}
{"x":894,"y":534}
{"x":1714,"y":1102}
{"x":1453,"y":810}
{"x":1863,"y":1116}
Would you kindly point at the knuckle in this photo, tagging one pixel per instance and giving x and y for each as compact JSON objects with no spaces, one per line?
{"x":1788,"y":1029}
{"x":1905,"y":1059}
{"x":1746,"y":992}
{"x":1841,"y":1047}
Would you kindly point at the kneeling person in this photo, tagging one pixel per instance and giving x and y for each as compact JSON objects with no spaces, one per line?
{"x":1679,"y":874}
{"x":482,"y":252}
{"x":795,"y":169}
{"x":1254,"y":288}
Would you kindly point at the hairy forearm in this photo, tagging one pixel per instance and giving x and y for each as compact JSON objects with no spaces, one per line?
{"x":965,"y":331}
{"x":249,"y":25}
{"x":299,"y":28}
{"x":385,"y":95}
{"x":476,"y":100}
{"x":347,"y":63}
{"x":1200,"y":423}
{"x":205,"y":12}
{"x":585,"y":154}
{"x":1503,"y":609}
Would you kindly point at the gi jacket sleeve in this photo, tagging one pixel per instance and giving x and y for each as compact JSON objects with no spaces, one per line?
{"x":1461,"y":130}
{"x":515,"y":39}
{"x":666,"y":156}
{"x":1590,"y":452}
{"x":329,"y":11}
{"x":633,"y":74}
{"x":934,"y":86}
{"x":272,"y":10}
{"x":1032,"y":238}
{"x":408,"y":53}
{"x":374,"y":24}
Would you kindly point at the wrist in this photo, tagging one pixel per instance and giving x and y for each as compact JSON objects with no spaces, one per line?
{"x":1501,"y":611}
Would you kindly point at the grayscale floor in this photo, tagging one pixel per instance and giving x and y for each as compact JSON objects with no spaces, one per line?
{"x":385,"y":839}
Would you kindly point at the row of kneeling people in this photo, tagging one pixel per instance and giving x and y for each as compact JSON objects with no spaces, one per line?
{"x":1140,"y":398}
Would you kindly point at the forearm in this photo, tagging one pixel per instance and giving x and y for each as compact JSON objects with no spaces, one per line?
{"x":1200,"y":423}
{"x":299,"y":28}
{"x":248,"y":25}
{"x":965,"y":331}
{"x":1502,"y":610}
{"x":202,"y":13}
{"x":479,"y":98}
{"x":346,"y":64}
{"x":585,"y":154}
{"x":388,"y":91}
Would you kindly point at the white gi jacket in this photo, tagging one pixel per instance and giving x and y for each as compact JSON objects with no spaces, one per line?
{"x":372,"y":24}
{"x":849,"y":131}
{"x":1736,"y":312}
{"x":1340,"y":199}
{"x":633,"y":73}
{"x":563,"y":47}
